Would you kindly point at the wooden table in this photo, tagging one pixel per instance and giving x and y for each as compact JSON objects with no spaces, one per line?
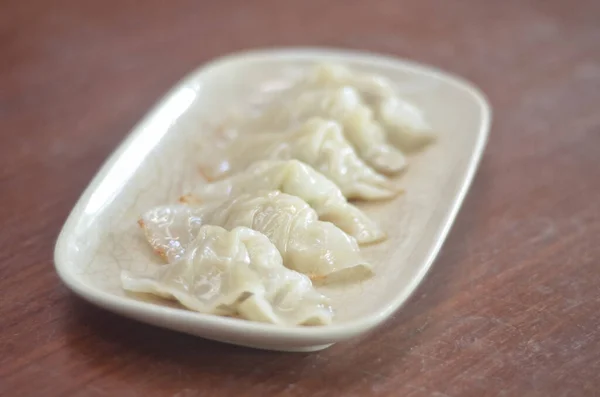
{"x":512,"y":305}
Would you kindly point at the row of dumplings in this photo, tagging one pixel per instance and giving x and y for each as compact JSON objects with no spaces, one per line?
{"x":274,"y":218}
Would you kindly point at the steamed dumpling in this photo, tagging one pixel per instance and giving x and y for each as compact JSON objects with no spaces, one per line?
{"x":333,"y":75}
{"x":298,"y":179}
{"x":315,"y":248}
{"x":239,"y":272}
{"x":318,"y":143}
{"x":344,"y":105}
{"x":404,"y":123}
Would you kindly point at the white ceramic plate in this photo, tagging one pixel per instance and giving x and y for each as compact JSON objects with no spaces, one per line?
{"x":157,"y":163}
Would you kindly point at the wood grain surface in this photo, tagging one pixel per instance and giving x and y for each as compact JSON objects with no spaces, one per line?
{"x":512,"y":305}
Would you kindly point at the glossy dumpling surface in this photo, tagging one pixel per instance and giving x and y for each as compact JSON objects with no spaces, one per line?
{"x":315,"y":248}
{"x":404,"y":123}
{"x":299,"y":179}
{"x":317,"y":142}
{"x":344,"y":105}
{"x":236,"y":273}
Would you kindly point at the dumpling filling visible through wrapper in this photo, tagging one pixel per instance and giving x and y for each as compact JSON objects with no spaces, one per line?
{"x":317,"y":142}
{"x":318,"y":249}
{"x":235,"y":273}
{"x":298,"y":179}
{"x":404,"y":123}
{"x":345,"y":106}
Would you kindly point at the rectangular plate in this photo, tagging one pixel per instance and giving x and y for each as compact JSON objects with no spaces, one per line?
{"x":158,"y":162}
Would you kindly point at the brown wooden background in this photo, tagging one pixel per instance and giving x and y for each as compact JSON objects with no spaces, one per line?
{"x":512,"y":305}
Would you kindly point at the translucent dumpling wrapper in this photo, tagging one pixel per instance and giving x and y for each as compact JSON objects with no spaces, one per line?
{"x":335,"y":75}
{"x":235,"y":273}
{"x":344,"y":105}
{"x":298,"y":179}
{"x":404,"y":123}
{"x":318,"y":249}
{"x":318,"y":143}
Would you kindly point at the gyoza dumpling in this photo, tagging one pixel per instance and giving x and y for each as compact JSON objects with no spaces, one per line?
{"x":298,"y":179}
{"x":334,"y":75}
{"x":315,"y":248}
{"x":171,"y":228}
{"x":318,"y":143}
{"x":239,"y":272}
{"x":345,"y":106}
{"x":404,"y":123}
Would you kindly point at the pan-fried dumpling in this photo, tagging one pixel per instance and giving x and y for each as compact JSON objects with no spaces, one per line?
{"x":404,"y":123}
{"x":239,"y":272}
{"x":318,"y":143}
{"x":315,"y":248}
{"x":298,"y":179}
{"x":345,"y":106}
{"x":171,"y":228}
